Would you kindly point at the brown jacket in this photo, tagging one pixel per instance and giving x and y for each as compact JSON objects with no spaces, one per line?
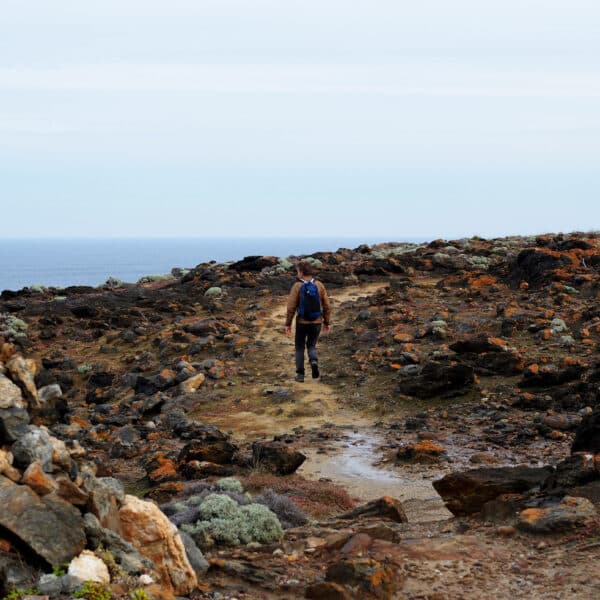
{"x":294,"y":301}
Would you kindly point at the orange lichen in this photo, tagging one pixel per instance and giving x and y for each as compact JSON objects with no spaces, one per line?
{"x":531,"y":515}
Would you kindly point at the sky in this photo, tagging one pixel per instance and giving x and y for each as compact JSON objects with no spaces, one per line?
{"x":230,"y":118}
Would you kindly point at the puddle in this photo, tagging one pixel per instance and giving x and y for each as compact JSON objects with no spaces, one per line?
{"x":350,"y":464}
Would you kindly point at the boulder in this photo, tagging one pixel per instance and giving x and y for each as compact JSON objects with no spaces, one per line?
{"x":156,"y":538}
{"x":254,"y":263}
{"x":465,"y":492}
{"x":49,"y":526}
{"x":277,"y":457}
{"x":587,"y":437}
{"x":216,"y":451}
{"x":52,"y":406}
{"x":10,"y":394}
{"x":203,"y":327}
{"x":191,"y":385}
{"x":568,"y":513}
{"x":6,"y":468}
{"x":549,"y":376}
{"x":383,"y":508}
{"x":41,"y":483}
{"x":23,"y":371}
{"x":575,"y":470}
{"x":479,"y":345}
{"x":13,"y":424}
{"x":424,"y":451}
{"x":105,"y":496}
{"x":126,"y":556}
{"x":536,"y":266}
{"x":439,"y":379}
{"x":126,"y":442}
{"x":35,"y":444}
{"x":194,"y":554}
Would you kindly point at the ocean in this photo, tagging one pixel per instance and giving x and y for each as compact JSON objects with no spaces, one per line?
{"x":64,"y":262}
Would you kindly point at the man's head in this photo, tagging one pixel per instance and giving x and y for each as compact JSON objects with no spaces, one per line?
{"x":304,"y":269}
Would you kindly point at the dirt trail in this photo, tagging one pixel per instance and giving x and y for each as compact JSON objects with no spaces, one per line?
{"x":351,"y":461}
{"x":281,"y":348}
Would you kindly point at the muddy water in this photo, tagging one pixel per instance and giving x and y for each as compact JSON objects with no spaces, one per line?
{"x":351,"y":464}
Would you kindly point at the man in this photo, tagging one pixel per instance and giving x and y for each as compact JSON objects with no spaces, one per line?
{"x":308,"y":301}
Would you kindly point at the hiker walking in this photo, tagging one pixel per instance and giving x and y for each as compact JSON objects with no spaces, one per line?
{"x":309,"y":302}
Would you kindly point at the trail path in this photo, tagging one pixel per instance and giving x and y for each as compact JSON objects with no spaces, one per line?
{"x":351,"y":461}
{"x":281,"y":349}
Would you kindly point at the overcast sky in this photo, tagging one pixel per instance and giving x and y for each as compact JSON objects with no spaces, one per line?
{"x":313,"y":117}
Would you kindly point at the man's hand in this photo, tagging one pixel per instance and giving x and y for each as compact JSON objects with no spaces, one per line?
{"x":288,"y":330}
{"x":326,"y":329}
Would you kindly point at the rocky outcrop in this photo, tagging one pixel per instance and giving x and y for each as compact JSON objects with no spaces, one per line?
{"x":558,"y":516}
{"x":51,"y":527}
{"x":438,"y":379}
{"x":277,"y":457}
{"x":466,"y":492}
{"x":150,"y":531}
{"x":587,"y":437}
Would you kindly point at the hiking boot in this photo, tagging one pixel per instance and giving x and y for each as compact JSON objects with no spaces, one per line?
{"x":300,"y":378}
{"x":315,"y":370}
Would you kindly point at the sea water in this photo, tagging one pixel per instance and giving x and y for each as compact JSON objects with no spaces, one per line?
{"x":63,"y":262}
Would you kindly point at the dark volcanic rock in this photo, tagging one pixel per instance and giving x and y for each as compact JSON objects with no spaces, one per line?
{"x":478,"y":345}
{"x":436,"y":379}
{"x":13,"y":423}
{"x":85,"y":311}
{"x":214,"y":451}
{"x":51,"y":527}
{"x":384,"y":508}
{"x":587,"y":438}
{"x":202,"y":328}
{"x":489,"y":355}
{"x":549,"y":376}
{"x":535,"y":266}
{"x":465,"y":492}
{"x":575,"y":470}
{"x":254,"y":263}
{"x":277,"y":457}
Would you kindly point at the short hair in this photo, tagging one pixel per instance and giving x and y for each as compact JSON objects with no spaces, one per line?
{"x":305,"y":267}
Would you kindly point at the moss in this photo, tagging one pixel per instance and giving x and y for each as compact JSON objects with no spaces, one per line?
{"x":20,"y":593}
{"x":91,"y":590}
{"x":230,"y":484}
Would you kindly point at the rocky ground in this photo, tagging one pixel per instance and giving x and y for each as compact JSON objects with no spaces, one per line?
{"x":154,"y":444}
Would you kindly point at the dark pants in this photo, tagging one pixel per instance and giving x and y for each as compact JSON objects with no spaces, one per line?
{"x":307,"y":335}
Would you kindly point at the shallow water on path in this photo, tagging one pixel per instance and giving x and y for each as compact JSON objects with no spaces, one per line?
{"x":350,"y":464}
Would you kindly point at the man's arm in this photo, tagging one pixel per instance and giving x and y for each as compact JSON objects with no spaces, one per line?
{"x":292,"y":304}
{"x":326,"y":307}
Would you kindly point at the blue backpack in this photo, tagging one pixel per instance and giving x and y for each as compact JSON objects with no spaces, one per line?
{"x":310,"y":301}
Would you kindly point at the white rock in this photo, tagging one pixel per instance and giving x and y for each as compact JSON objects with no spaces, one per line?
{"x":145,"y":579}
{"x":88,"y":567}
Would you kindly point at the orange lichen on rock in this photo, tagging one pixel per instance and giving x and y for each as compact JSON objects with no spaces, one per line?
{"x":166,"y":471}
{"x":530,"y":515}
